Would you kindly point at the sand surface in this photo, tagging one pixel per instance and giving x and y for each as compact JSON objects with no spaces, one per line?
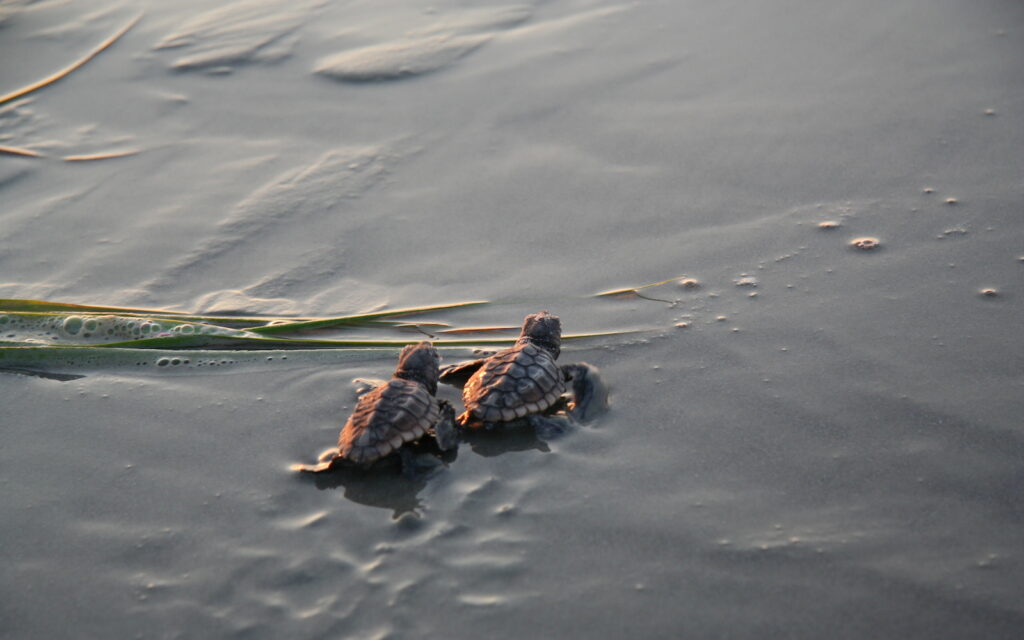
{"x":817,"y":441}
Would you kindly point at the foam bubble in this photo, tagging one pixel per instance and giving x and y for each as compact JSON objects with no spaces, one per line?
{"x":72,"y":325}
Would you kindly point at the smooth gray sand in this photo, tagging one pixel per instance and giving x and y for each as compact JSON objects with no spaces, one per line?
{"x":815,"y":441}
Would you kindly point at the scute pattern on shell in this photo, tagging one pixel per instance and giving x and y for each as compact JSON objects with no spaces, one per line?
{"x":387,"y":417}
{"x":514,"y":383}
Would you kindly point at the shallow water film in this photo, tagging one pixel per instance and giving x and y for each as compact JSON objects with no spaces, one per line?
{"x":815,"y":425}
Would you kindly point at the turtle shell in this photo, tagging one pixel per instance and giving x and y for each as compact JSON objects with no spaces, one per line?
{"x":386,"y":418}
{"x":514,"y":383}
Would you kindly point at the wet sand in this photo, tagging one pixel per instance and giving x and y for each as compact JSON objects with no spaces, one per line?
{"x":814,"y":439}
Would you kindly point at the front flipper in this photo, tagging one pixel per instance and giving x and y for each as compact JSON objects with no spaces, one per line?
{"x":550,"y":427}
{"x":457,"y":375}
{"x":445,"y":431}
{"x":590,"y":393}
{"x":362,"y":386}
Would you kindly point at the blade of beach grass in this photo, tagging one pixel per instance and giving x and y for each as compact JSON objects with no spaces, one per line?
{"x":93,"y":326}
{"x":241,"y":341}
{"x":63,"y":360}
{"x":259,"y":342}
{"x":165,"y":355}
{"x":340,"y":321}
{"x":460,"y":330}
{"x":269,"y":325}
{"x":109,"y":155}
{"x":72,"y":67}
{"x":64,"y":308}
{"x":40,"y":306}
{"x":15,"y":151}
{"x":632,"y":290}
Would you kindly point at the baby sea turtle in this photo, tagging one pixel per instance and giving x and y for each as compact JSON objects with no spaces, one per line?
{"x":398,"y":411}
{"x":523,"y":381}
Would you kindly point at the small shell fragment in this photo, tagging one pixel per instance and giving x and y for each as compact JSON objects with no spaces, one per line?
{"x":866,"y":243}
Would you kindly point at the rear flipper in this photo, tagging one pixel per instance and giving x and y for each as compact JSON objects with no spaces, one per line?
{"x":590,"y":393}
{"x":418,"y":466}
{"x":325,"y":462}
{"x":457,"y":375}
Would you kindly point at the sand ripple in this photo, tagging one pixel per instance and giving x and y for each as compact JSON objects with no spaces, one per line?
{"x":239,"y":33}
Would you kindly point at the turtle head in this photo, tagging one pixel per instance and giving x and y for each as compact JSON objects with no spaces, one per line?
{"x":543,"y":330}
{"x":419,"y":363}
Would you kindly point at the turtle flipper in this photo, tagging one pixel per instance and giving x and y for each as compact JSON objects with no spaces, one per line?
{"x":466,"y":419}
{"x":320,"y":467}
{"x":325,"y":463}
{"x":362,"y":386}
{"x":418,"y":466}
{"x":550,"y":427}
{"x":457,"y":375}
{"x":445,"y":431}
{"x":590,"y":393}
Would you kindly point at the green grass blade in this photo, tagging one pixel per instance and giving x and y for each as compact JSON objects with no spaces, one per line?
{"x":40,"y":306}
{"x":187,"y":353}
{"x":266,"y":325}
{"x":354,"y":320}
{"x":11,"y":305}
{"x":244,"y":342}
{"x":62,"y":360}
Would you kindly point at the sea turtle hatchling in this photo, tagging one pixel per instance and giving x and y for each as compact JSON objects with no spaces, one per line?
{"x":398,"y":411}
{"x":523,"y":381}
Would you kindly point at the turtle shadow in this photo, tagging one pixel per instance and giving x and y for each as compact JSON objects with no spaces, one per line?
{"x":384,"y":485}
{"x":511,"y":438}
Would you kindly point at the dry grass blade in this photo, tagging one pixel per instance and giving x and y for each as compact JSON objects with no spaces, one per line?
{"x":67,"y":70}
{"x":480,"y":329}
{"x":632,"y":290}
{"x":15,"y":151}
{"x":102,"y":156}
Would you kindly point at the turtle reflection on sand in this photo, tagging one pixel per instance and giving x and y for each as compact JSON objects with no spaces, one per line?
{"x":524,"y":383}
{"x":399,"y":411}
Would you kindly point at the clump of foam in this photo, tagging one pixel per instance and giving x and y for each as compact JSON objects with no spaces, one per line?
{"x":76,"y":329}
